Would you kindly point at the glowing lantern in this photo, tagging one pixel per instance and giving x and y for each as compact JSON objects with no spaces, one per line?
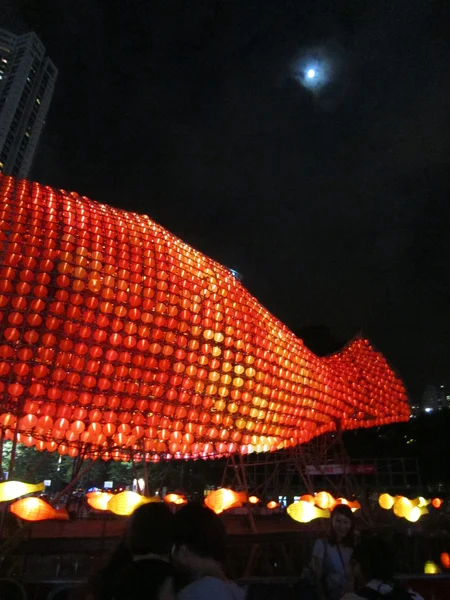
{"x":304,"y":512}
{"x":99,"y":500}
{"x":354,"y":505}
{"x":108,"y":318}
{"x":415,"y":513}
{"x":9,"y":490}
{"x":36,"y":509}
{"x":342,"y":501}
{"x":437,"y":502}
{"x":308,"y":498}
{"x":402,"y":506}
{"x":445,"y":560}
{"x":420,"y":501}
{"x":386,"y":501}
{"x":431,"y":568}
{"x":175,"y":499}
{"x":126,"y":503}
{"x":324,"y":500}
{"x":223,"y":499}
{"x":272,"y":504}
{"x":254,"y":499}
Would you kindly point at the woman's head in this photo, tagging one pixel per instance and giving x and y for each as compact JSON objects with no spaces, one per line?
{"x":199,"y":539}
{"x":150,"y":530}
{"x":342,"y":525}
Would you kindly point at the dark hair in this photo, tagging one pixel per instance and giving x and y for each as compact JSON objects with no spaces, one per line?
{"x":150,"y":530}
{"x":201,"y":531}
{"x":103,"y":582}
{"x":375,"y":559}
{"x":345,"y":511}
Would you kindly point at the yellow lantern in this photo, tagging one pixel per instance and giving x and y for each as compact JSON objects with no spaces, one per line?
{"x":421,"y":502}
{"x":431,"y":568}
{"x":304,"y":512}
{"x":386,"y":501}
{"x":402,"y":506}
{"x":10,"y":490}
{"x":415,"y":513}
{"x":126,"y":503}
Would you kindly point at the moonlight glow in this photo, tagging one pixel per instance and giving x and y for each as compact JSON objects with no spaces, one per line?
{"x":311,"y":73}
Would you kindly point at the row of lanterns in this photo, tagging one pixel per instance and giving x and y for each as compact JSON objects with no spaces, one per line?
{"x":319,"y":506}
{"x":117,"y":339}
{"x":404,"y":508}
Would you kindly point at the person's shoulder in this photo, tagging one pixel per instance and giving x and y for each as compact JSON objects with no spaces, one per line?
{"x":207,"y":587}
{"x":319,"y":547}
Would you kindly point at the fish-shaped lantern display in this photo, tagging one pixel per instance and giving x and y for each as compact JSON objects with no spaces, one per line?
{"x":126,"y":503}
{"x":10,"y":490}
{"x":224,"y":499}
{"x":36,"y":509}
{"x":177,"y":499}
{"x":119,"y":340}
{"x":99,"y":500}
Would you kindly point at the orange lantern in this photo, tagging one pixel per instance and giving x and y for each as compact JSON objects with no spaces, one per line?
{"x":272,"y":504}
{"x":224,"y":499}
{"x":175,"y":499}
{"x":324,"y":500}
{"x":437,"y":503}
{"x":99,"y":500}
{"x":36,"y":509}
{"x":445,"y":560}
{"x":136,"y":325}
{"x":254,"y":499}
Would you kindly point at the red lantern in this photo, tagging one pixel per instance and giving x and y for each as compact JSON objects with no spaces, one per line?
{"x":114,"y":331}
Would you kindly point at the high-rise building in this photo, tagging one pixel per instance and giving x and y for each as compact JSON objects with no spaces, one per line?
{"x":27,"y":81}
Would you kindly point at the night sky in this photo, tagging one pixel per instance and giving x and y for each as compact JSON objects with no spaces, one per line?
{"x":334,"y":203}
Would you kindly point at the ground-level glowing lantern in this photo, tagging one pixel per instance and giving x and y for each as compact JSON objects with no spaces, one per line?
{"x":304,"y":512}
{"x":36,"y":509}
{"x":119,"y":341}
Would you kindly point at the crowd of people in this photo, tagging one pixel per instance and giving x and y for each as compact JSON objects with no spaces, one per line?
{"x":181,"y":556}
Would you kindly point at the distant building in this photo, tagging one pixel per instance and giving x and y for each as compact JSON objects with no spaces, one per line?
{"x":27,"y":81}
{"x":435,"y":398}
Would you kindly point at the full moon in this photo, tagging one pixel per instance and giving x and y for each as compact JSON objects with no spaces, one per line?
{"x":311,"y":73}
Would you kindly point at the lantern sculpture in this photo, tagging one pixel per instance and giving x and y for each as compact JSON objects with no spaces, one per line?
{"x":10,"y":490}
{"x":437,"y":503}
{"x":99,"y":500}
{"x":119,"y":340}
{"x":304,"y":512}
{"x":126,"y":503}
{"x":445,"y":560}
{"x":324,"y":500}
{"x":272,"y":504}
{"x":253,"y":499}
{"x":308,"y":498}
{"x":386,"y":501}
{"x":36,"y":509}
{"x":431,"y":568}
{"x":223,"y":499}
{"x":175,"y":499}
